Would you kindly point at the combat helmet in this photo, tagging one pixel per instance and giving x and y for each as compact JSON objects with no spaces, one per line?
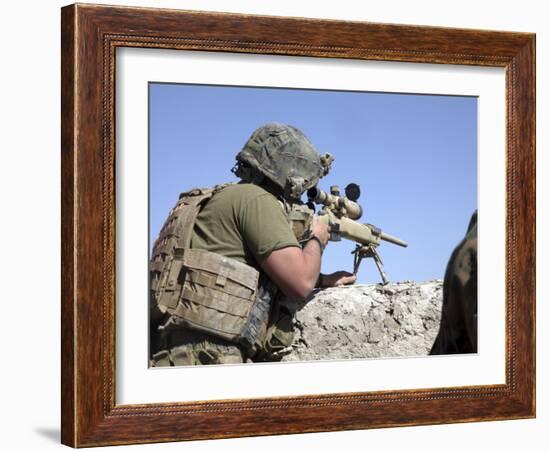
{"x":283,"y":155}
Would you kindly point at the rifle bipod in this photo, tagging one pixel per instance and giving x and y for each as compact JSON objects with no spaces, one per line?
{"x":368,"y":251}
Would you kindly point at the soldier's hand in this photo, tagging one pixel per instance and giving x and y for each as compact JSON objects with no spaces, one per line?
{"x":340,"y":278}
{"x":320,"y":230}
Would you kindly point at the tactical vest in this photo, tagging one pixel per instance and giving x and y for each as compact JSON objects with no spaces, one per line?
{"x":210,"y":293}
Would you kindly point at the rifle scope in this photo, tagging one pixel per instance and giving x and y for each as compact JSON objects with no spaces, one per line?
{"x":341,"y":206}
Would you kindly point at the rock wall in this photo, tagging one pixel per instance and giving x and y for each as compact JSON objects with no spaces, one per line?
{"x":368,"y":321}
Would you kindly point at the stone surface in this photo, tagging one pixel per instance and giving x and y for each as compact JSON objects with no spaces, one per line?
{"x":368,"y":321}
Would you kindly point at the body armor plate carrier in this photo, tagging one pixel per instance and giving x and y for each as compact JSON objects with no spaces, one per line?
{"x":205,"y":291}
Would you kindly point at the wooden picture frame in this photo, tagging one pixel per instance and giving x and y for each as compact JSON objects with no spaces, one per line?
{"x":90,"y":36}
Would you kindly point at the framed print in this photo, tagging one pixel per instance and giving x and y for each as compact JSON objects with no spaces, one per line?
{"x":431,"y":123}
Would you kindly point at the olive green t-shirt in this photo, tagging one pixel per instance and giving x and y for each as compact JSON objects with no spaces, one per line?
{"x":244,"y":222}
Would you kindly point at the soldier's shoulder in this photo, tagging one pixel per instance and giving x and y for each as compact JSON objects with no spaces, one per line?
{"x":245,"y":191}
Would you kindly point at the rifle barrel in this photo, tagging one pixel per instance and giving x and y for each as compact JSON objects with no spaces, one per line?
{"x":394,"y":240}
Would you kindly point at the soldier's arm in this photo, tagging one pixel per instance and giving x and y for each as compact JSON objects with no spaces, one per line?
{"x":296,"y":270}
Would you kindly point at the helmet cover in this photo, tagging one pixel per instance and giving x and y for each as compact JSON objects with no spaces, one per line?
{"x":282,"y":154}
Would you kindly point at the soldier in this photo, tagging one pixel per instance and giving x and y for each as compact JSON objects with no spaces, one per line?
{"x":458,"y":327}
{"x":226,"y":256}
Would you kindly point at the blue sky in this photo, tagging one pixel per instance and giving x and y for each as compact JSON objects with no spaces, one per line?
{"x":414,"y":157}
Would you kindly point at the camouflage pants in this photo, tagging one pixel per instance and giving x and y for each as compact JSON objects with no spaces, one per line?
{"x":189,"y":348}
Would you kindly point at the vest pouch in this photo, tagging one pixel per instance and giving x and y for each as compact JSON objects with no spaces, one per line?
{"x":217,"y":293}
{"x":170,"y":284}
{"x":280,"y":333}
